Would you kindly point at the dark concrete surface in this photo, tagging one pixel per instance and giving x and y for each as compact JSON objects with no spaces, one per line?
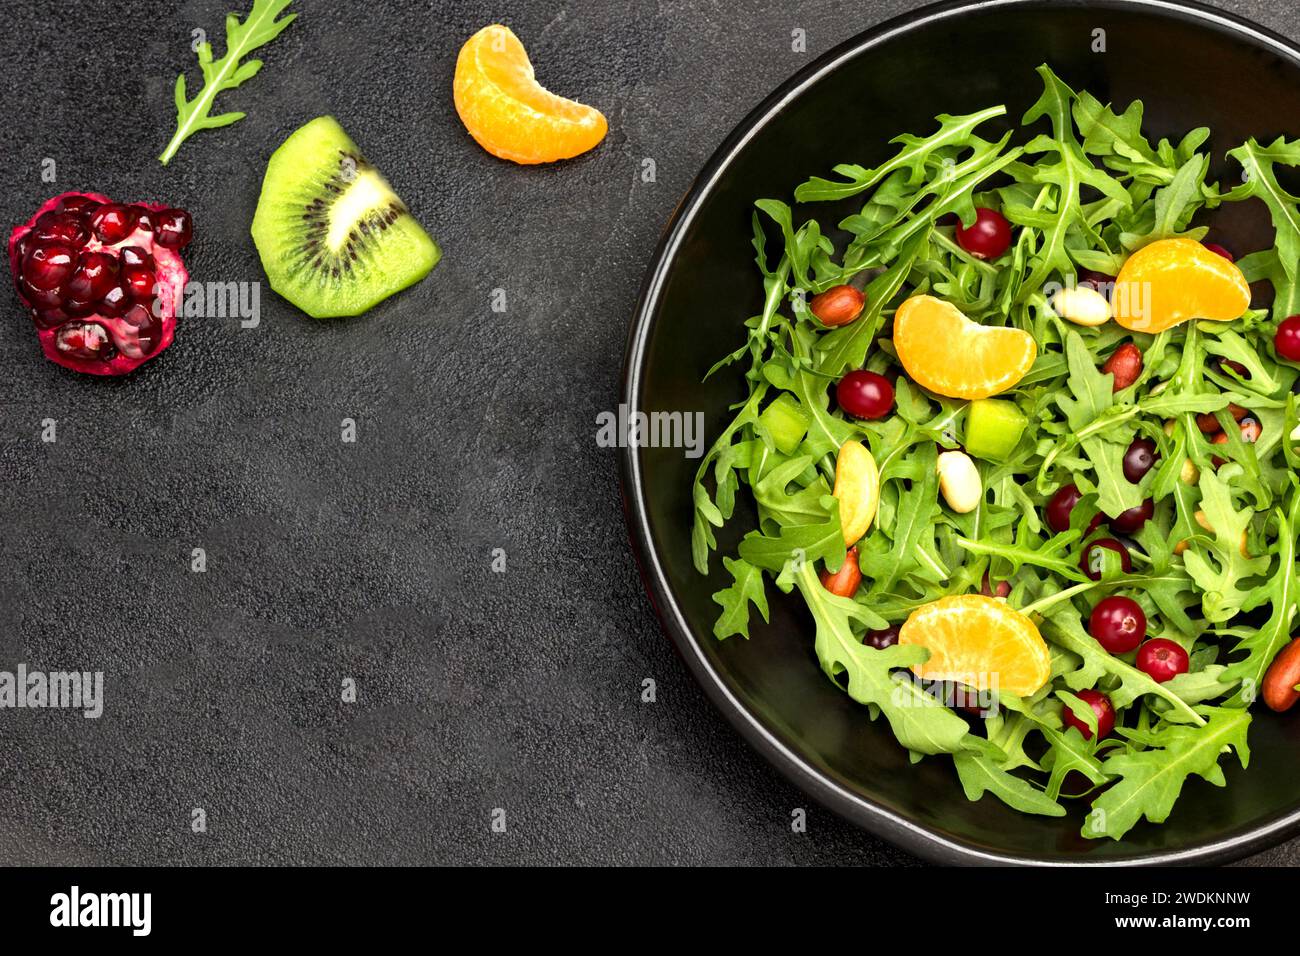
{"x":372,"y":561}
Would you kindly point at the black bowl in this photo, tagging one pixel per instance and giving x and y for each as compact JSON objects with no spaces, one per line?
{"x":1192,"y":66}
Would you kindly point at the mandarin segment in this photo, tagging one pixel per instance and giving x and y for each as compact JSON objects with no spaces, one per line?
{"x":978,"y":641}
{"x":1173,"y":280}
{"x":509,"y":113}
{"x":945,"y":352}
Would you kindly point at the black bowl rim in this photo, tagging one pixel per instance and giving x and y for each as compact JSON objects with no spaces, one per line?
{"x":871,"y":816}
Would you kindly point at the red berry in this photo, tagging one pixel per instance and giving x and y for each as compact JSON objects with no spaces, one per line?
{"x":1118,"y":624}
{"x":1101,"y":706}
{"x":881,"y":639}
{"x":1162,"y":660}
{"x":1090,"y":563}
{"x":1129,"y":522}
{"x":1218,"y":250}
{"x":1060,"y":506}
{"x":988,"y":236}
{"x":1139,"y":459}
{"x":1287,"y":339}
{"x":865,"y":394}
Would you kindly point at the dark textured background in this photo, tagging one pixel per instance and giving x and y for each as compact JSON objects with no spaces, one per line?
{"x":328,"y":560}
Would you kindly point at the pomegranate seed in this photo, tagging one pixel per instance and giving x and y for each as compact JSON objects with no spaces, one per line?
{"x":141,"y":282}
{"x":84,"y":340}
{"x":144,"y":218}
{"x":1287,"y":339}
{"x":988,"y":236}
{"x":1139,"y":459}
{"x":40,"y":298}
{"x":61,"y":228}
{"x":80,"y":205}
{"x":146,"y":332}
{"x":1060,"y":506}
{"x":1090,"y":563}
{"x":865,"y":394}
{"x":1002,"y":590}
{"x":1162,"y":660}
{"x":1218,"y":250}
{"x":1118,"y":623}
{"x":881,"y":639}
{"x":172,"y":228}
{"x":135,"y":256}
{"x":115,"y":301}
{"x":113,"y":223}
{"x":78,"y":308}
{"x":49,"y":318}
{"x":1129,"y":522}
{"x":96,"y":274}
{"x":48,"y":267}
{"x":1101,"y":706}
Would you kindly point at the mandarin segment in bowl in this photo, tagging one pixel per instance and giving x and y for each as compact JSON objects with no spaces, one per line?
{"x":978,"y":641}
{"x":1173,"y":280}
{"x":947,"y":353}
{"x":509,"y":113}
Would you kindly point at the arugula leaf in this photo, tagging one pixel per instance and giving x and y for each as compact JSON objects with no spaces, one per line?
{"x":1261,"y":181}
{"x":921,"y":723}
{"x":259,"y":28}
{"x":735,"y":600}
{"x":980,"y":774}
{"x":1151,"y":780}
{"x":1217,"y":564}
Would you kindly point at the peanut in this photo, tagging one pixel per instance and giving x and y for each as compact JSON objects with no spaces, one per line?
{"x":1190,"y":474}
{"x":1082,"y":306}
{"x":1204,"y":522}
{"x":838,"y":305}
{"x":857,"y":486}
{"x":1125,"y":363}
{"x":1283,"y":676}
{"x":959,"y":480}
{"x":844,"y":582}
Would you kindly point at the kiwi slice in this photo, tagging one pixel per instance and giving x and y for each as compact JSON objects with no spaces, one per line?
{"x":333,"y":236}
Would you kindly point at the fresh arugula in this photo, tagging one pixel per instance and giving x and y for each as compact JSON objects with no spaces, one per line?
{"x":259,"y":28}
{"x":1084,"y":187}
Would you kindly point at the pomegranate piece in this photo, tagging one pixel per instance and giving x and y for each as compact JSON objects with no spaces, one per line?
{"x":103,"y":280}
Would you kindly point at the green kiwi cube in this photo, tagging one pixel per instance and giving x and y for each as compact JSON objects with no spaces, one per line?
{"x":786,"y":421}
{"x":334,"y":237}
{"x":993,"y":428}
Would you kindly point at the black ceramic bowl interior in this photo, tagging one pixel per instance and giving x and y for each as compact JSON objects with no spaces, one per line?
{"x":1191,"y":66}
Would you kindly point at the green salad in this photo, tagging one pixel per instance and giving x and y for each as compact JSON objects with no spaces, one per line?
{"x":1024,"y":441}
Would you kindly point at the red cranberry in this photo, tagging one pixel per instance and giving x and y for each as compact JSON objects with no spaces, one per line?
{"x":1139,"y":459}
{"x":1060,"y":506}
{"x":865,"y":394}
{"x":96,"y":274}
{"x":1101,"y":706}
{"x":1129,"y":522}
{"x":1097,"y":281}
{"x":1090,"y":563}
{"x":112,"y":223}
{"x":1162,"y":660}
{"x":1118,"y":624}
{"x":1287,"y":339}
{"x":172,"y":228}
{"x":1218,"y":250}
{"x":881,"y":639}
{"x":988,"y":236}
{"x":48,"y":267}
